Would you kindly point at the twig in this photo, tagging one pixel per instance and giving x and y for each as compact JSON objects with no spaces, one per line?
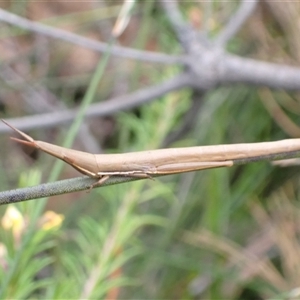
{"x":210,"y":66}
{"x":235,"y":69}
{"x":56,"y":188}
{"x":100,"y":109}
{"x":207,"y":68}
{"x":227,"y":69}
{"x":87,"y":43}
{"x":187,"y":35}
{"x":174,"y":15}
{"x":236,"y":22}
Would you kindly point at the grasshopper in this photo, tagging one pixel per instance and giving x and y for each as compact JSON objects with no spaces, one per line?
{"x":146,"y":164}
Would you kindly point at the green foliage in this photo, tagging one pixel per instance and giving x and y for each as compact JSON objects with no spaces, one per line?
{"x":180,"y":237}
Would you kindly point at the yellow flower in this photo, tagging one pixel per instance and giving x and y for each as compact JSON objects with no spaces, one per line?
{"x":14,"y":220}
{"x":51,"y":219}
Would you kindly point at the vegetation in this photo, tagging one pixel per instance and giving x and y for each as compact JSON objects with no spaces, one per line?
{"x":217,"y":234}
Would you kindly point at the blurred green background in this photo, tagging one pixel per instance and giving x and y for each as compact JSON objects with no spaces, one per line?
{"x":217,"y":234}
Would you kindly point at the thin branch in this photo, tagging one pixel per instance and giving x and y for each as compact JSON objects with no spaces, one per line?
{"x":235,"y":23}
{"x":234,"y":69}
{"x":212,"y":67}
{"x":56,"y":188}
{"x":88,"y":43}
{"x":174,"y":15}
{"x":105,"y":108}
{"x":223,"y":70}
{"x":190,"y":39}
{"x":208,"y":68}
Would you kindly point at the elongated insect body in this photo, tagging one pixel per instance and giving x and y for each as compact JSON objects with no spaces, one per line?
{"x":146,"y":164}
